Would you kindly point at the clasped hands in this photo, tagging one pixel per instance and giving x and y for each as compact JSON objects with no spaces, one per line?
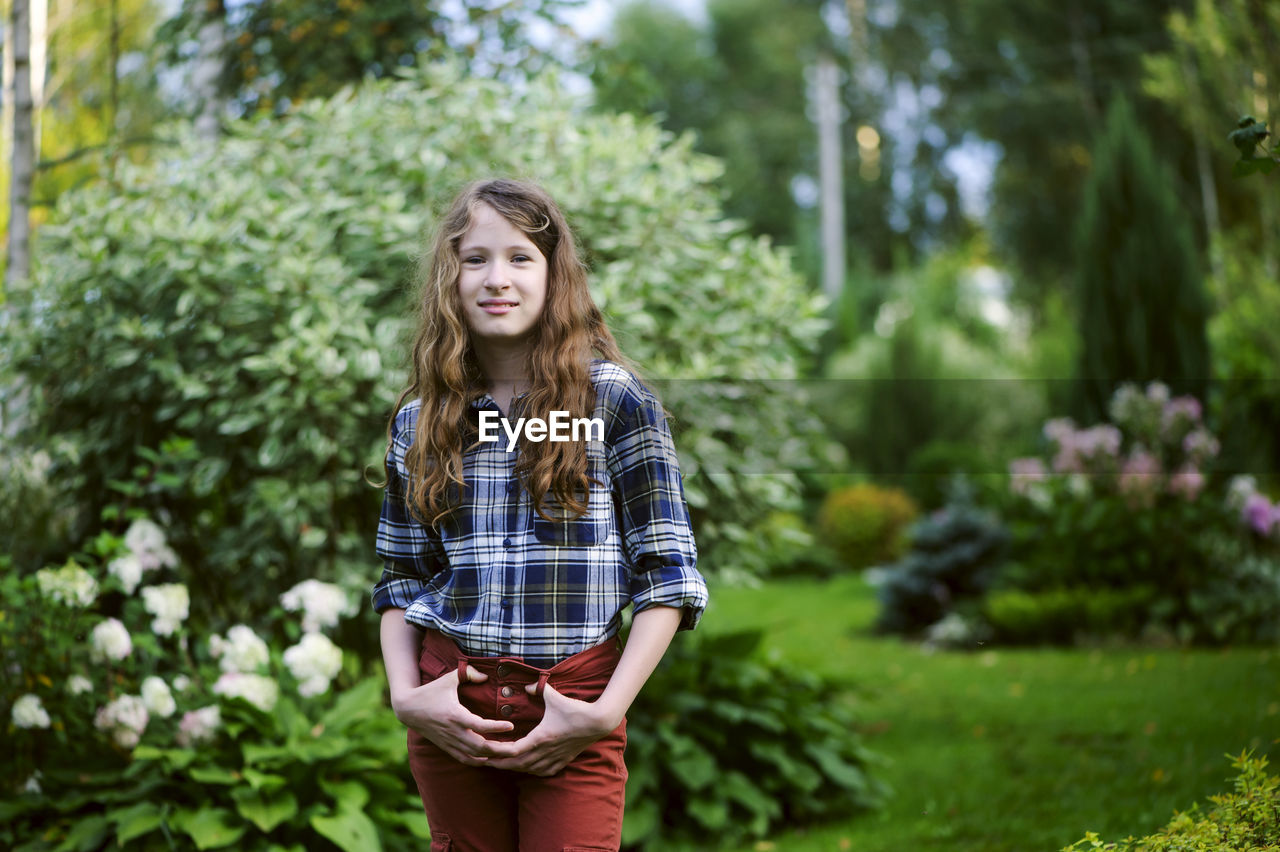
{"x":567,"y":727}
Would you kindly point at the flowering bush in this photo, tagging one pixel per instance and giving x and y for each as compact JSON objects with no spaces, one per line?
{"x":1131,"y":503}
{"x":110,"y":696}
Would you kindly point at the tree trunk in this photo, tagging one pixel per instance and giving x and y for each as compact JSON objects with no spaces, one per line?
{"x":23,"y":163}
{"x":206,"y":79}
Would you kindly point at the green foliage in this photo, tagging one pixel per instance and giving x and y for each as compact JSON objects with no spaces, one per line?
{"x":280,"y":52}
{"x":148,"y":738}
{"x":261,"y":317}
{"x":723,"y":746}
{"x":1062,"y":616}
{"x":1140,"y":294}
{"x":1041,"y":101}
{"x":1246,"y":819}
{"x":954,"y":558}
{"x":290,"y":778}
{"x":866,"y":524}
{"x":711,"y":80}
{"x":1222,"y":62}
{"x":924,"y":386}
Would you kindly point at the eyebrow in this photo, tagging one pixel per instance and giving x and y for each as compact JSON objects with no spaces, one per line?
{"x":524,"y":247}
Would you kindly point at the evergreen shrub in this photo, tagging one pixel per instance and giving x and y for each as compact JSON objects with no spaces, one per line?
{"x":954,"y":558}
{"x":866,"y":524}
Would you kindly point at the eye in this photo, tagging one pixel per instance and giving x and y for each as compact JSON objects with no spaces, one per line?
{"x":522,"y":258}
{"x":473,"y":260}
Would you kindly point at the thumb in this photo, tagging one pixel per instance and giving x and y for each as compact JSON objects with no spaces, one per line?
{"x":547,"y":689}
{"x":474,"y":675}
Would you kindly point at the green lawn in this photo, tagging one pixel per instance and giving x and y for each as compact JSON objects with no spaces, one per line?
{"x":998,"y":750}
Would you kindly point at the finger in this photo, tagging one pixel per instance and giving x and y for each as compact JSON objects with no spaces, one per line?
{"x":474,"y":675}
{"x":481,"y":725}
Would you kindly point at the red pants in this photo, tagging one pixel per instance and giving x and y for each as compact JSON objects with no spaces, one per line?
{"x":480,"y":809}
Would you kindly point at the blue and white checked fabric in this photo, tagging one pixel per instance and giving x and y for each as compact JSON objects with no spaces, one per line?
{"x":502,"y":581}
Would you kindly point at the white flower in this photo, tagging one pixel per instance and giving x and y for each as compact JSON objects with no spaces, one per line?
{"x":262,"y":692}
{"x":1240,"y":489}
{"x":128,"y":569}
{"x":169,"y":603}
{"x":32,"y":784}
{"x":28,"y":712}
{"x":79,"y":684}
{"x":314,"y":661}
{"x":146,"y":541}
{"x":110,"y":641}
{"x":199,"y":726}
{"x":241,"y":651}
{"x":125,"y":719}
{"x":70,"y":585}
{"x":181,"y":682}
{"x":157,"y":697}
{"x":322,"y":604}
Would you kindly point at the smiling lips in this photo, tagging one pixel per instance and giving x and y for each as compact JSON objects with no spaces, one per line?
{"x":498,"y":306}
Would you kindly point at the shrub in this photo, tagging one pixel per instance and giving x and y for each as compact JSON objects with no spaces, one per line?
{"x":115,"y":701}
{"x":954,"y":558}
{"x":724,"y":746}
{"x":1132,"y":503}
{"x":866,"y":524}
{"x":1246,"y":819}
{"x":248,"y":298}
{"x":1065,"y":615}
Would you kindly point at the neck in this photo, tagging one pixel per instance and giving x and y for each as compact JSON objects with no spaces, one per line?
{"x":505,"y":366}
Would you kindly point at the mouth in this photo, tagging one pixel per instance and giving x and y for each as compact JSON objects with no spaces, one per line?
{"x":497,"y":306}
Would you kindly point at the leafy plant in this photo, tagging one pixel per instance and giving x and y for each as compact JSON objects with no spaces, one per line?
{"x":866,"y":524}
{"x":724,"y":746}
{"x":1247,"y":818}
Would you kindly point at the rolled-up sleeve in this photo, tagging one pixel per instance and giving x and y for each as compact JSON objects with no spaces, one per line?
{"x":411,"y":552}
{"x":653,"y":517}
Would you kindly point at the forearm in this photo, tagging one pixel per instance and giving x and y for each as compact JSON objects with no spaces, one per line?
{"x":401,"y":647}
{"x":651,"y":634}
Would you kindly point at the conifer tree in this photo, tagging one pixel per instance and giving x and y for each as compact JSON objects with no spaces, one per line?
{"x":1140,"y":297}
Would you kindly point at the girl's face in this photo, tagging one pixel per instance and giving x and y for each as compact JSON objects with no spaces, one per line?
{"x":503,"y":279}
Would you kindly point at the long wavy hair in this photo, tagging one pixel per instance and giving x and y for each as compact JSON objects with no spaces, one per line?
{"x":446,"y":376}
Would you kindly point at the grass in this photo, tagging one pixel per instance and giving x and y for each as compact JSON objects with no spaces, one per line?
{"x":1013,"y":750}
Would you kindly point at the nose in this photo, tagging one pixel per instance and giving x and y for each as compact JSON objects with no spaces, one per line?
{"x":497,"y":277}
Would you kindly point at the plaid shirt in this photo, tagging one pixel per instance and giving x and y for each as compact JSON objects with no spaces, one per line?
{"x":502,"y":581}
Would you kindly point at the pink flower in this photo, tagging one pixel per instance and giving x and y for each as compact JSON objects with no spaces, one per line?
{"x":1140,"y":478}
{"x":1260,"y":514}
{"x":1200,"y":445}
{"x":1187,"y":482}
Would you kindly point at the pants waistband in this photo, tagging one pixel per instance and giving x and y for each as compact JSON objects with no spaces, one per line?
{"x":585,"y":667}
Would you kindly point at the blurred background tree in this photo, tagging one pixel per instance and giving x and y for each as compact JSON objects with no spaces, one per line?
{"x":1224,"y":64}
{"x":1142,"y":305}
{"x":278,"y":52}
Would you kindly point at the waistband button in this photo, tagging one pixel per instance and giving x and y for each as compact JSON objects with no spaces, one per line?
{"x":503,"y":670}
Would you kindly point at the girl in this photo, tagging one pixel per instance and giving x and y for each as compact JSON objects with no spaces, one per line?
{"x":506,"y":572}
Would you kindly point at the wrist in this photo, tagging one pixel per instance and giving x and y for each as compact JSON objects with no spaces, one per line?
{"x":607,"y":713}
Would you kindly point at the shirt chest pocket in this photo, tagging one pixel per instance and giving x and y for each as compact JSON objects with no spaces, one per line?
{"x":588,"y":530}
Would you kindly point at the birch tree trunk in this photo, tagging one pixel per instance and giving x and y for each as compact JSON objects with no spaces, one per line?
{"x":207,"y":75}
{"x":23,"y":161}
